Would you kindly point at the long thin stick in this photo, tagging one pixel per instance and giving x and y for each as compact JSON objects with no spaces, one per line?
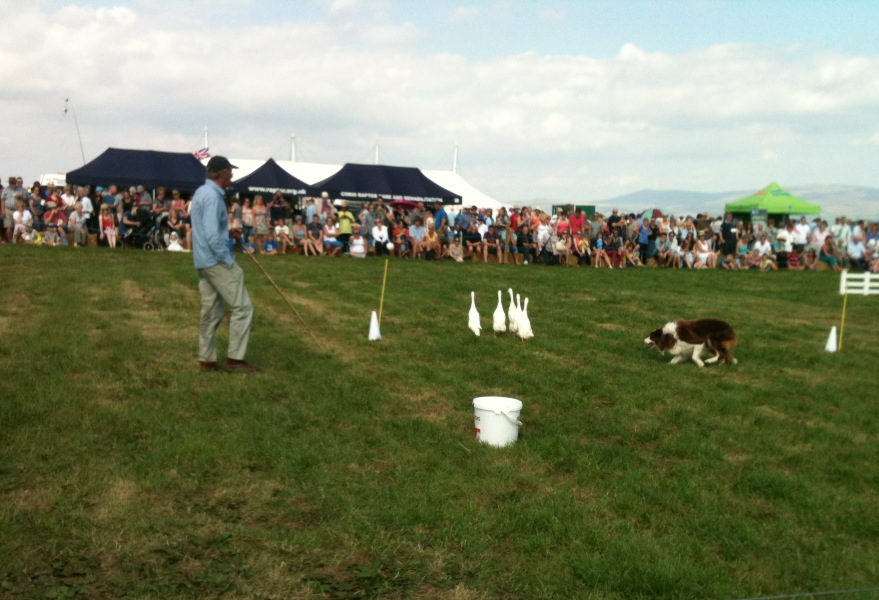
{"x":842,"y":325}
{"x":277,"y":289}
{"x":381,"y":304}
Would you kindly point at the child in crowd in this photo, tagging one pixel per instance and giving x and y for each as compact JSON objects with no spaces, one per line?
{"x":108,"y":225}
{"x":270,"y":246}
{"x":793,"y":260}
{"x":729,"y":263}
{"x":174,"y":244}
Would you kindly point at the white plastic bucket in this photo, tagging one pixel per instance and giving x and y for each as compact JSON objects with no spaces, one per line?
{"x":497,"y":420}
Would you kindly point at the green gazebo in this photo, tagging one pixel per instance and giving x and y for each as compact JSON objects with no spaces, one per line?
{"x":776,"y":201}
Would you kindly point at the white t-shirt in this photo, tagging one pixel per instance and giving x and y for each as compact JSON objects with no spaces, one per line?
{"x":802,"y":230}
{"x":22,"y":217}
{"x":763,"y":247}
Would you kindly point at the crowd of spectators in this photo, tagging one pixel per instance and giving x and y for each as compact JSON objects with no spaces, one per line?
{"x":318,"y":226}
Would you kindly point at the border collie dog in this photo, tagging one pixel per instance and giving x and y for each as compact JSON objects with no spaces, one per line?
{"x":690,"y":339}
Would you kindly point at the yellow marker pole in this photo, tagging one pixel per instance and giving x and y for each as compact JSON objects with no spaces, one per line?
{"x":842,"y":325}
{"x":382,"y":303}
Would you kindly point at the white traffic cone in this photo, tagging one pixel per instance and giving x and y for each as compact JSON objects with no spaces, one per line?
{"x":374,"y":333}
{"x":831,"y":341}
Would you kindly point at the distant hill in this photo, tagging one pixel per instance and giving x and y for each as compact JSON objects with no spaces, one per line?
{"x":852,"y":201}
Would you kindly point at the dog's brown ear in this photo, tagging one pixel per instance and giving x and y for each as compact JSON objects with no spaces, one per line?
{"x":668,"y":341}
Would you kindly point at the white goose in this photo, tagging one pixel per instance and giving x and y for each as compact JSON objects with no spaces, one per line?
{"x":525,"y":331}
{"x":473,"y":322}
{"x":500,"y":318}
{"x":512,"y":314}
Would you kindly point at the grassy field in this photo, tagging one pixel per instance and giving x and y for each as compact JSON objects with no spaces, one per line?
{"x":352,"y":470}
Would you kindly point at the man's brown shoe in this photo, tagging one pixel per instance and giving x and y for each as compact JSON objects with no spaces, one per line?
{"x":241,"y":365}
{"x":209,"y":365}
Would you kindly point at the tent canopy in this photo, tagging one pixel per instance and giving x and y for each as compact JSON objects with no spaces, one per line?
{"x":367,"y":182}
{"x":269,"y":178}
{"x":775,"y":201}
{"x":149,"y":168}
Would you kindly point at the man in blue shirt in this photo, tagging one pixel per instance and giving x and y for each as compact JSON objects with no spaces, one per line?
{"x":221,"y":280}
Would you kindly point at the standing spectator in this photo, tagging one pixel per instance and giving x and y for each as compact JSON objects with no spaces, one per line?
{"x":260,"y":222}
{"x":728,"y":235}
{"x":221,"y":280}
{"x":246,"y":221}
{"x":803,"y":234}
{"x":367,"y":222}
{"x":346,"y":224}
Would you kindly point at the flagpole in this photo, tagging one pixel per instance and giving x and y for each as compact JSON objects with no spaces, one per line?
{"x":76,"y":123}
{"x":206,"y":137}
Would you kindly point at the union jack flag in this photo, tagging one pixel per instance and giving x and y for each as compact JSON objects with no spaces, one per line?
{"x":202,"y":154}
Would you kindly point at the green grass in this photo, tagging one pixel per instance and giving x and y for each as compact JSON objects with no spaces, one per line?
{"x":352,"y":470}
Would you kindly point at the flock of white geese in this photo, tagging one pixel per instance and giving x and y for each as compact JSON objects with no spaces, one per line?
{"x":515,"y":319}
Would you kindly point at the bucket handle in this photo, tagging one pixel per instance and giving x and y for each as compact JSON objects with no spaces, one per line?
{"x":511,"y":419}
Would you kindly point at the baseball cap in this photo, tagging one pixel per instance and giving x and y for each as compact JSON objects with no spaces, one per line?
{"x":218,"y":163}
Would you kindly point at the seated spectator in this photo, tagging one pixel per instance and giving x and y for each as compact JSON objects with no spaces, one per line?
{"x":78,"y":225}
{"x":581,"y":249}
{"x":22,"y":219}
{"x":827,"y":254}
{"x":51,"y":236}
{"x":301,"y":236}
{"x":107,"y":225}
{"x":401,"y":239}
{"x":381,"y":237}
{"x":316,"y":235}
{"x":767,"y":263}
{"x":856,"y":253}
{"x":29,"y":235}
{"x":525,"y":244}
{"x":282,"y":235}
{"x":752,"y":259}
{"x":431,"y":245}
{"x":332,"y":245}
{"x":705,"y":257}
{"x":174,"y":245}
{"x":729,"y":263}
{"x":491,"y":243}
{"x":455,"y":250}
{"x":472,"y":241}
{"x":270,"y":246}
{"x":416,"y":236}
{"x":631,"y":256}
{"x":236,"y":232}
{"x":686,"y":253}
{"x":356,"y":243}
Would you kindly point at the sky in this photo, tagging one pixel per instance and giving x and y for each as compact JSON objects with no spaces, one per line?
{"x":570,"y":101}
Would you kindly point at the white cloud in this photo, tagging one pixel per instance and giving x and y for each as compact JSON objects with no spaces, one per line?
{"x":526,"y":123}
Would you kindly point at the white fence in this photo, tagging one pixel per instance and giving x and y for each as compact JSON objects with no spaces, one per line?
{"x":866,"y":284}
{"x":863,"y":284}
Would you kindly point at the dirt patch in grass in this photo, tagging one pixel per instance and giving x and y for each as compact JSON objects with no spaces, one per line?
{"x":32,"y":499}
{"x":116,"y":499}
